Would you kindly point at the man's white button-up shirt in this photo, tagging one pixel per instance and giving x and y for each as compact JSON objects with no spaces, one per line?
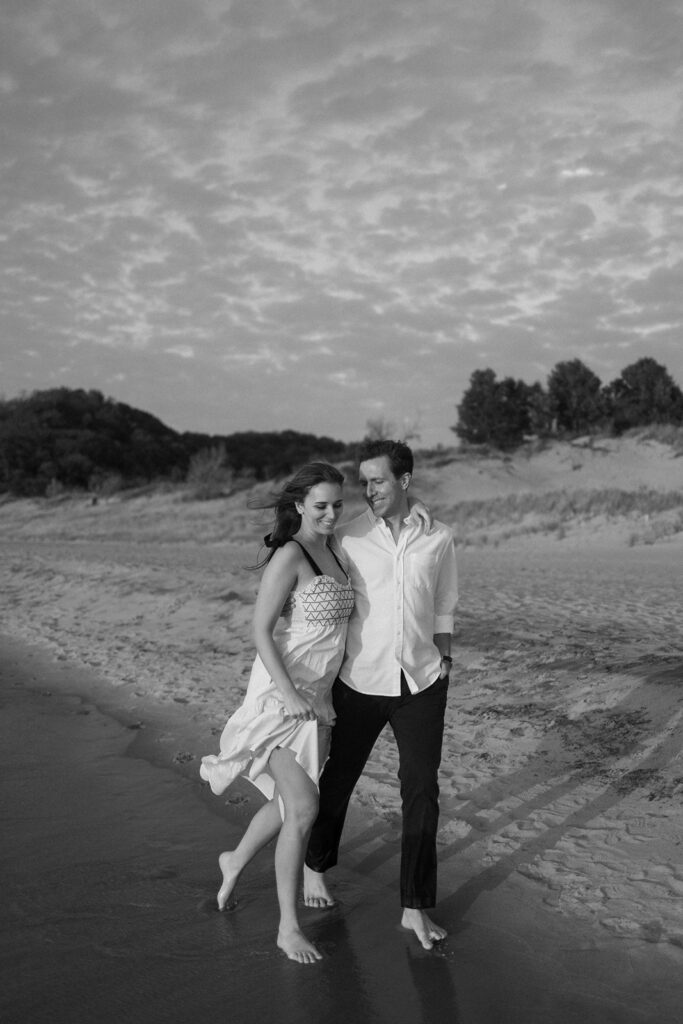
{"x":406,"y":591}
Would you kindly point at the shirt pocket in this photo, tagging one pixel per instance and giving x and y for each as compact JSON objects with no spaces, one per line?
{"x":420,"y":570}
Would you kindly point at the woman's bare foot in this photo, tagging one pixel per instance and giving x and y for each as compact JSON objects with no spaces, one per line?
{"x":316,"y":893}
{"x":297,"y":947}
{"x":427,"y":932}
{"x":231,"y":873}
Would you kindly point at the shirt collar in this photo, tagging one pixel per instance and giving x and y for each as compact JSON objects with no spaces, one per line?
{"x":378,"y":519}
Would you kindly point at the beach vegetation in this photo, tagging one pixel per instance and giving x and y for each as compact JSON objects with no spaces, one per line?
{"x":645,"y":394}
{"x":669,"y":434}
{"x":82,"y":441}
{"x":653,"y":529}
{"x":209,"y":474}
{"x":105,"y":485}
{"x":506,"y":414}
{"x":576,"y":398}
{"x":55,"y":489}
{"x":498,"y":412}
{"x":656,"y":515}
{"x":380,"y":428}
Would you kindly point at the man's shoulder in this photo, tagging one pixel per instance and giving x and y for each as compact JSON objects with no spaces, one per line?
{"x":442,"y":529}
{"x":441,"y":535}
{"x":438,"y":529}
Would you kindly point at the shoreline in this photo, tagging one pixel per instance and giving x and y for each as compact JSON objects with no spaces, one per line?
{"x":567,"y":688}
{"x":132,"y":859}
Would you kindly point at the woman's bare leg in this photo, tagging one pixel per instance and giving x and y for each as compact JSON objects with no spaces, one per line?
{"x":300,"y":799}
{"x":265,"y":824}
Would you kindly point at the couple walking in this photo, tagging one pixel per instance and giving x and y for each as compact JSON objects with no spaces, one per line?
{"x":353,"y":628}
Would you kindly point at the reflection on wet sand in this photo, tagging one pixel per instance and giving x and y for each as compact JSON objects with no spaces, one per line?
{"x":110,"y":885}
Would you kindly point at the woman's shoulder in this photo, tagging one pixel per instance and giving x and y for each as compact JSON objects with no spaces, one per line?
{"x":283,"y":569}
{"x":289,"y":553}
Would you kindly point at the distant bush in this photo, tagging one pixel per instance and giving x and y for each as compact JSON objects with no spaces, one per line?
{"x":659,"y":528}
{"x":54,"y":489}
{"x":209,"y":475}
{"x":104,"y":485}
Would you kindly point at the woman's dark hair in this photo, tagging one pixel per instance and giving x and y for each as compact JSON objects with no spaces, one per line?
{"x":287,"y":519}
{"x":398,"y":453}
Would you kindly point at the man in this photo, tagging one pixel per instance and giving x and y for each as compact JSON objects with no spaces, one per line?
{"x":395,"y":670}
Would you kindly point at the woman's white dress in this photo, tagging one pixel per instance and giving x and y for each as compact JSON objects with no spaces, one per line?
{"x":310,"y":635}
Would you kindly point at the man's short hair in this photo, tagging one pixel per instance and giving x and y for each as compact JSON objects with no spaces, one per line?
{"x":398,"y":453}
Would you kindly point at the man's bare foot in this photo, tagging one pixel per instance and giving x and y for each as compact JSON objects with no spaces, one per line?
{"x":427,"y":932}
{"x":316,"y":893}
{"x":231,"y":873}
{"x":297,"y":947}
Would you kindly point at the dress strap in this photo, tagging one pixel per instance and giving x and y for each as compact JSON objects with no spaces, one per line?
{"x":337,"y":561}
{"x":314,"y":565}
{"x":310,"y":561}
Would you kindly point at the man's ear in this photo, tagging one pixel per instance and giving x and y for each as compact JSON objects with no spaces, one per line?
{"x":405,"y":481}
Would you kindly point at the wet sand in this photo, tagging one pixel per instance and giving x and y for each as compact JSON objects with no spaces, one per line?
{"x":561,"y":880}
{"x":108,"y":859}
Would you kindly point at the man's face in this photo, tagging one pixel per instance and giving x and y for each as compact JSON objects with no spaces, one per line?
{"x":384,"y":493}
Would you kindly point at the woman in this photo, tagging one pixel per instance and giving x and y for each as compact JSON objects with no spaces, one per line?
{"x":280,"y":735}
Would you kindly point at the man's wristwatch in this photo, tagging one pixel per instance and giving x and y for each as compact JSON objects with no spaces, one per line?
{"x":447,"y":657}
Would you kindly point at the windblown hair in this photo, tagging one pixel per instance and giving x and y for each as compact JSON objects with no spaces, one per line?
{"x":287,"y":519}
{"x":398,"y":453}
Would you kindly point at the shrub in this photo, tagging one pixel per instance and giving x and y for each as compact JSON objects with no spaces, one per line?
{"x":209,"y":475}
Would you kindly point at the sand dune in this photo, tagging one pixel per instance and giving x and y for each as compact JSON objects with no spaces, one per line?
{"x":562,"y":755}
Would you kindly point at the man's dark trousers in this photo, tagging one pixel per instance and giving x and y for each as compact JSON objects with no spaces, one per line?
{"x":417,"y":721}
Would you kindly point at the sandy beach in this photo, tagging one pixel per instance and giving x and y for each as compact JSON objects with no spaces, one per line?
{"x":562,"y":778}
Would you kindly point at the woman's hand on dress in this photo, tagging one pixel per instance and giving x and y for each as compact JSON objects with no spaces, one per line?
{"x":297,"y":706}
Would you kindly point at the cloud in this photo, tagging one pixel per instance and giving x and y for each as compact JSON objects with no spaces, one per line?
{"x":183,"y":351}
{"x":351,"y":199}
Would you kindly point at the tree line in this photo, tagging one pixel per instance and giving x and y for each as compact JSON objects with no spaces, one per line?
{"x":503,"y":413}
{"x":66,"y":438}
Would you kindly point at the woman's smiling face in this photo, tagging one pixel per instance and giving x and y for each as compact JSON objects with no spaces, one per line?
{"x":321,"y":509}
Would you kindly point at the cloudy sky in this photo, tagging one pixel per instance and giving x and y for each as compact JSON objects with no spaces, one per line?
{"x":309,"y":214}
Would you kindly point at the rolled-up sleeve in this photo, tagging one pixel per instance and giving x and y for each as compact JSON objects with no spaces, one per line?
{"x":446,"y":591}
